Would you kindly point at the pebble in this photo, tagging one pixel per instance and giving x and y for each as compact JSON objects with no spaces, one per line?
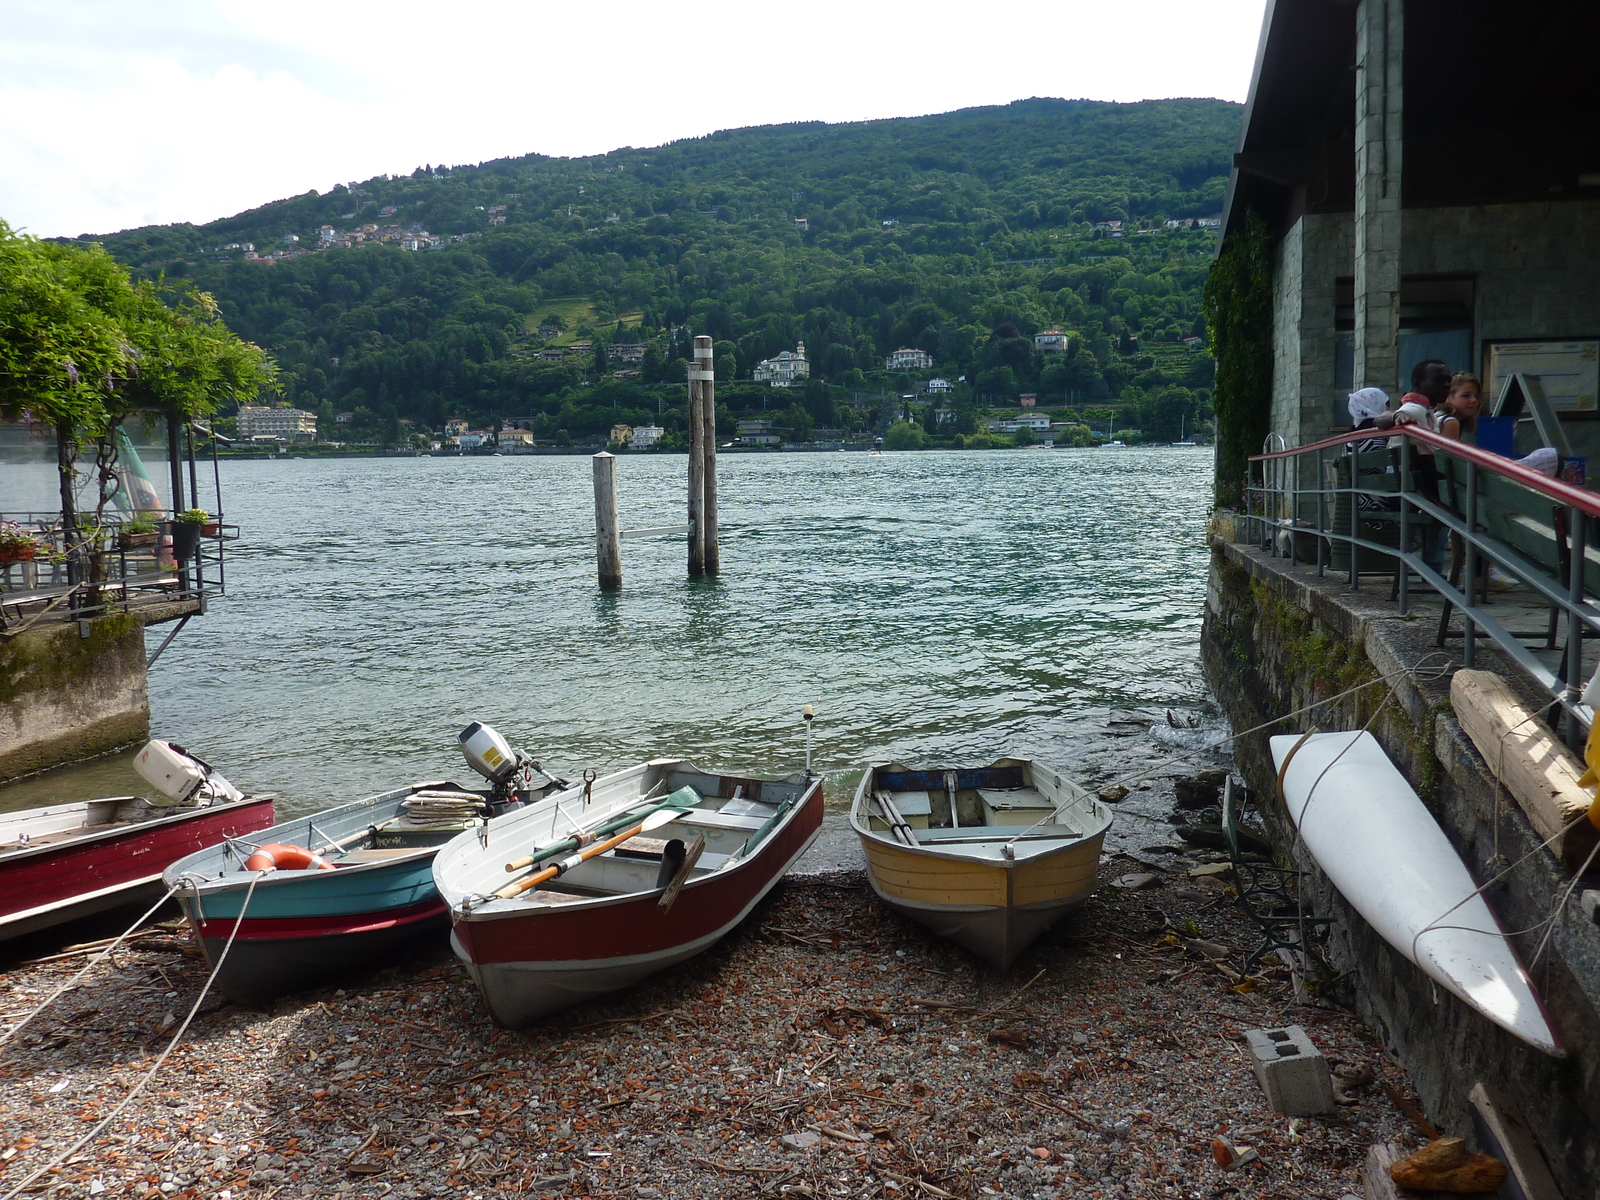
{"x":1134,"y":882}
{"x":782,"y":1061}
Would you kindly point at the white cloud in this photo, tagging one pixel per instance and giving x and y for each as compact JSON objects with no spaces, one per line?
{"x":115,"y":115}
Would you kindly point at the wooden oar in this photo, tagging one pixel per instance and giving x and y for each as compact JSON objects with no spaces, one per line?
{"x":897,"y":823}
{"x":654,"y":821}
{"x":583,"y":838}
{"x":681,"y":877}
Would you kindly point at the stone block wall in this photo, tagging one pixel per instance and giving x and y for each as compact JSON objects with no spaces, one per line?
{"x":1277,"y":639}
{"x":65,"y":697}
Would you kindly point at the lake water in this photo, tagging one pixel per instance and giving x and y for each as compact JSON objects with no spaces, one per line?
{"x":935,"y":607}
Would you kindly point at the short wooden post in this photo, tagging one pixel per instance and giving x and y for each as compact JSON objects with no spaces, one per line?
{"x":708,"y":423}
{"x":700,"y":375}
{"x":607,"y":533}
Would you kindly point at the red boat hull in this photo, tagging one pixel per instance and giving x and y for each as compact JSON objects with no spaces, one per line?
{"x":529,"y":965}
{"x":50,"y":884}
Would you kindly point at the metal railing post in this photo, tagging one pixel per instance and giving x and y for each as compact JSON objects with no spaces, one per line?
{"x":1322,"y":511}
{"x":1292,"y":471}
{"x":1355,"y":552}
{"x":1579,"y":526}
{"x":1469,"y":628}
{"x":1401,"y":564}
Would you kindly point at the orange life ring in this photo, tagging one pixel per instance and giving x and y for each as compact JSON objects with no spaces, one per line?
{"x":274,"y":856}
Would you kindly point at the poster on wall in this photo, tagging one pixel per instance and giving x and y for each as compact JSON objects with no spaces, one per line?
{"x":1569,"y":370}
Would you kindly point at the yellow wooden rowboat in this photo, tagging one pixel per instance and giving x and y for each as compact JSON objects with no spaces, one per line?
{"x":989,"y":857}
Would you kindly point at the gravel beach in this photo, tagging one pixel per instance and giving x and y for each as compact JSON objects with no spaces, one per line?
{"x":827,"y":1048}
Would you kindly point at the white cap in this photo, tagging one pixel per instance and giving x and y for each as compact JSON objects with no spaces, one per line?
{"x":1367,"y":402}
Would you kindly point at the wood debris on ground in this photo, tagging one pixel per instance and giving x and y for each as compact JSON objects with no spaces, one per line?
{"x":827,"y":1049}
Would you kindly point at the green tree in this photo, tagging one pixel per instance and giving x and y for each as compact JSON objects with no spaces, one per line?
{"x":795,"y":424}
{"x":389,"y":419}
{"x":903,"y":435}
{"x":601,"y":365}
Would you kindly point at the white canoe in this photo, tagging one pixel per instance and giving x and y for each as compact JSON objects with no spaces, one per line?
{"x":1382,"y":849}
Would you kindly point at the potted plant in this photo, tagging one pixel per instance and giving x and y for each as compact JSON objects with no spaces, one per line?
{"x":16,"y":543}
{"x":140,"y":531}
{"x":186,"y":527}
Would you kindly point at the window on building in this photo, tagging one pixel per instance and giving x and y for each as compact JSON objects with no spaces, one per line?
{"x":1435,"y":322}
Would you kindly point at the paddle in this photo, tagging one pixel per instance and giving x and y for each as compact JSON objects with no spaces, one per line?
{"x":681,"y":875}
{"x":349,"y":840}
{"x":683,"y":798}
{"x":654,"y":821}
{"x":897,"y":823}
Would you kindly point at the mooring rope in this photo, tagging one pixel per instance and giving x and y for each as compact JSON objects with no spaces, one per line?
{"x":1421,"y":671}
{"x":90,"y":965}
{"x":62,"y":1159}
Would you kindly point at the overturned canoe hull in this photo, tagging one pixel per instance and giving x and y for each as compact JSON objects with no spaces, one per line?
{"x":1377,"y":843}
{"x":962,"y":884}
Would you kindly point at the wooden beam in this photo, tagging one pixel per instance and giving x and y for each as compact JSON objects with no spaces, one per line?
{"x":607,"y":536}
{"x":1538,"y":771}
{"x":1504,"y":1134}
{"x":1378,"y":1184}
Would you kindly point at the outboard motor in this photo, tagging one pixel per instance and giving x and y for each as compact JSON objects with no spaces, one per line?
{"x":510,"y":772}
{"x":181,"y":777}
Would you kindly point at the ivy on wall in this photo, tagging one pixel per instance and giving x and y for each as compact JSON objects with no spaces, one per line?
{"x":1237,"y":303}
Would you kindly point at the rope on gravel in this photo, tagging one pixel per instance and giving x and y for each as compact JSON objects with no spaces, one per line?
{"x":63,"y":1158}
{"x":90,"y":965}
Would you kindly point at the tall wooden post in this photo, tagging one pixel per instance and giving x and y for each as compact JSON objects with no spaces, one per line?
{"x":607,"y":533}
{"x":700,"y":377}
{"x":708,"y":423}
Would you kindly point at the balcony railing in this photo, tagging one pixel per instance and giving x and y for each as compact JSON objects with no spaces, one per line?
{"x":105,"y":570}
{"x":1365,"y":513}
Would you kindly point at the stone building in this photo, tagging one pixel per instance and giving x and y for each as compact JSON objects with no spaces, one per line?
{"x":1417,"y":213}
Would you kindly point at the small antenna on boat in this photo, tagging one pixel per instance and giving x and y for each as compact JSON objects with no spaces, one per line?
{"x":808,"y":714}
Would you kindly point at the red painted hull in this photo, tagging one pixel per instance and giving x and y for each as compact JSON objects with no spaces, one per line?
{"x":530,"y":964}
{"x":60,"y":882}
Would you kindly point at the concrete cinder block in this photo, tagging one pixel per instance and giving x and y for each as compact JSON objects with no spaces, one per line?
{"x":1291,"y":1071}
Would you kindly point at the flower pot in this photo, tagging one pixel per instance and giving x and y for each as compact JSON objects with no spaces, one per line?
{"x":129,"y":540}
{"x":185,"y":540}
{"x":212,"y":529}
{"x":14,"y":554}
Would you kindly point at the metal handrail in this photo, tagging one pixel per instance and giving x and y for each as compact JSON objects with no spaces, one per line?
{"x":1276,"y":496}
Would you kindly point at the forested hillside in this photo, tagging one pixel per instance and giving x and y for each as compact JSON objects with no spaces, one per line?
{"x":961,"y":235}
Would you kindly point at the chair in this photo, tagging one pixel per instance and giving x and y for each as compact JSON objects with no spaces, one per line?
{"x":1266,"y":894}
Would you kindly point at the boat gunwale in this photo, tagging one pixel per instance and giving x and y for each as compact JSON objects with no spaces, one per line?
{"x":233,"y":880}
{"x":495,"y":912}
{"x":109,"y":833}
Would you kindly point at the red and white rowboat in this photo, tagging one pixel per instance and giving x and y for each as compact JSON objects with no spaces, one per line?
{"x":72,"y":860}
{"x":599,"y":926}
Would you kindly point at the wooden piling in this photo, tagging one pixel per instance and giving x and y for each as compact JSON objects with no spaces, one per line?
{"x":607,"y":532}
{"x":708,"y":423}
{"x":700,"y":377}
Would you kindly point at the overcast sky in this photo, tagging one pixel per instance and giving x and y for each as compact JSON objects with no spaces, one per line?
{"x":116,"y":114}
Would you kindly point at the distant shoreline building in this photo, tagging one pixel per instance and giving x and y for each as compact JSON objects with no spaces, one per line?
{"x":282,"y":424}
{"x":909,"y":360}
{"x":785,"y":368}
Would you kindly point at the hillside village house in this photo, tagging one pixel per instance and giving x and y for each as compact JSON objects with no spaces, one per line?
{"x":1028,"y":399}
{"x":626,"y":352}
{"x":939,"y":386}
{"x":645,"y":437}
{"x":276,"y":423}
{"x":512,"y":436}
{"x":456,"y":426}
{"x":784,"y":370}
{"x":622,"y":434}
{"x":1051,"y":341}
{"x":909,"y":360}
{"x":756,"y":433}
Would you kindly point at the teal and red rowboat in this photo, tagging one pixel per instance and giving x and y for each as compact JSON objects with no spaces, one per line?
{"x":302,"y":927}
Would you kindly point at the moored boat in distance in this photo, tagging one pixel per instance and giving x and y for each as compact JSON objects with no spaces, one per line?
{"x":66,"y":861}
{"x":989,"y":857}
{"x":554,"y":905}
